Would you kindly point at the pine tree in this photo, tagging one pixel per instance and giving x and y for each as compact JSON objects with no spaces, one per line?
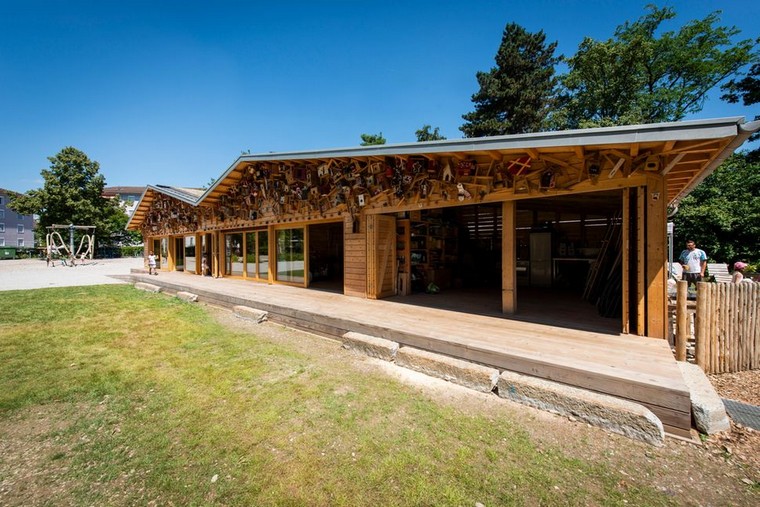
{"x":516,"y":95}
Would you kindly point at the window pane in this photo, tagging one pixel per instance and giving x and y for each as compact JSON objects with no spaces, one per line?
{"x":164,"y":253}
{"x":250,"y":254}
{"x":190,"y":253}
{"x":234,"y":254}
{"x":290,"y":249}
{"x":264,"y":255}
{"x":20,"y":228}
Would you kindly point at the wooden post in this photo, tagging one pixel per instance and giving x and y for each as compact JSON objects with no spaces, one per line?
{"x":682,"y":320}
{"x":509,"y":257}
{"x":700,"y":327}
{"x":640,"y":261}
{"x":656,"y":277}
{"x":625,"y":246}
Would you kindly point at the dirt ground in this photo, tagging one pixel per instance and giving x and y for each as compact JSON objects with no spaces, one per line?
{"x":741,"y":444}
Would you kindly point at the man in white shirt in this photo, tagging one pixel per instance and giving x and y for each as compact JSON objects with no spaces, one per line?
{"x":694,"y":263}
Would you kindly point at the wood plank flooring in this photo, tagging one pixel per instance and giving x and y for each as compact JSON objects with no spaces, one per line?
{"x":551,"y":338}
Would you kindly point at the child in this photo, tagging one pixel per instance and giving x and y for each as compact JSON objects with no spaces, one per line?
{"x":152,"y":264}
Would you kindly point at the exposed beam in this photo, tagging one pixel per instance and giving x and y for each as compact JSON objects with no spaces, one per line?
{"x":673,"y":163}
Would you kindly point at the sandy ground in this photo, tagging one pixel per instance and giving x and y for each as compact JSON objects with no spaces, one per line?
{"x":20,"y":274}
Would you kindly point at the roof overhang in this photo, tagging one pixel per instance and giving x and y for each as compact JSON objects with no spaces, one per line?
{"x":149,"y":195}
{"x":687,"y":152}
{"x":692,"y":149}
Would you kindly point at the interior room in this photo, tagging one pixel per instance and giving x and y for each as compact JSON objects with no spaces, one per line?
{"x":326,"y":256}
{"x":455,"y":258}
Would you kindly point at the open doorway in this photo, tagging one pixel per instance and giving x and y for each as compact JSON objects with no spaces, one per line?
{"x":558,"y":245}
{"x":326,"y":256}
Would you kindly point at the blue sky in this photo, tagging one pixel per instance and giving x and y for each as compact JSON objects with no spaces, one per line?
{"x":171,"y":92}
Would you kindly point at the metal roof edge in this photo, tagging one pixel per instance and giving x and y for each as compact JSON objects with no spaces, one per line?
{"x":600,"y":135}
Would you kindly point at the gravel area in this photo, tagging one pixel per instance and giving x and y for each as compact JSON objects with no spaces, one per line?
{"x":21,"y":274}
{"x":743,"y":386}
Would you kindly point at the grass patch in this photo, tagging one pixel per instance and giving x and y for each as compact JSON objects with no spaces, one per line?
{"x":156,"y":401}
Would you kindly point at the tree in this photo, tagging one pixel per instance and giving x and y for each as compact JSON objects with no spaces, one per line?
{"x":73,"y":194}
{"x":643,"y":75}
{"x":747,"y":90}
{"x":515,"y":96}
{"x":371,"y":139}
{"x":424,"y":134}
{"x":723,"y":213}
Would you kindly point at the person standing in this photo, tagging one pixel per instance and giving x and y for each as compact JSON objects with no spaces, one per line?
{"x":694,"y":262}
{"x":152,"y":264}
{"x":738,"y":275}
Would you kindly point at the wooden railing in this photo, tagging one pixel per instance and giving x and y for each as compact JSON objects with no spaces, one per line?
{"x":726,"y":327}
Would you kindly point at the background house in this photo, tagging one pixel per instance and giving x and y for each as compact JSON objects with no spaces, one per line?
{"x":16,"y":230}
{"x":128,"y":196}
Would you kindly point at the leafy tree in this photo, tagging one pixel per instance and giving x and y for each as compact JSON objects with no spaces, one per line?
{"x":424,"y":134}
{"x":747,"y":90}
{"x":723,"y":213}
{"x":644,"y":75}
{"x":515,"y":96}
{"x":73,"y":194}
{"x":371,"y":139}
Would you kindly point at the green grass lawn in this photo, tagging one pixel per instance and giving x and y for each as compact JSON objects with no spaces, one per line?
{"x":148,"y":398}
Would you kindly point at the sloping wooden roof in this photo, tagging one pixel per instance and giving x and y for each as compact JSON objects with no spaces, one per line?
{"x":687,"y":152}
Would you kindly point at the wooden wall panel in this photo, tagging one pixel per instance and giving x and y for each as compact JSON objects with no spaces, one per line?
{"x":381,"y":256}
{"x":355,"y":259}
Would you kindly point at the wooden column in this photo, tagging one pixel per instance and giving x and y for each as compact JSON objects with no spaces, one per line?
{"x":625,"y":246}
{"x":509,"y":257}
{"x":656,"y":276}
{"x":640,"y":261}
{"x":217,"y":246}
{"x":272,"y":254}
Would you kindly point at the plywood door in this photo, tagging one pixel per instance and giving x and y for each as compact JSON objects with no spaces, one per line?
{"x":381,"y":256}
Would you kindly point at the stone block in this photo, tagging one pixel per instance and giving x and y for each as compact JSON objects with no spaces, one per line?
{"x":474,"y":376}
{"x":149,"y":287}
{"x":707,"y":408}
{"x":248,"y":313}
{"x":613,"y":414}
{"x":371,"y":345}
{"x":187,"y":296}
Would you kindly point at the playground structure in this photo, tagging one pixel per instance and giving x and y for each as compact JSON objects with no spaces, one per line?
{"x":55,"y":245}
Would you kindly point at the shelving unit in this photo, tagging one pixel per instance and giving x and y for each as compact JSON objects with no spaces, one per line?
{"x":403,"y":269}
{"x":432,"y":252}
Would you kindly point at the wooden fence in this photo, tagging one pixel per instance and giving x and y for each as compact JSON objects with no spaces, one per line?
{"x":726,"y":327}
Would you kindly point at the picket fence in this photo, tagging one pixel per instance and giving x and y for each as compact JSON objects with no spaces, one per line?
{"x":726,"y":326}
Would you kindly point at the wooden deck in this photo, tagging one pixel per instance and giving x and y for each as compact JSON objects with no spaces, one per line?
{"x":549,"y":339}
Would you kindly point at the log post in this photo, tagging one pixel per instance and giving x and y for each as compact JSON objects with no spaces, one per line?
{"x":701,"y":329}
{"x":682,"y":319}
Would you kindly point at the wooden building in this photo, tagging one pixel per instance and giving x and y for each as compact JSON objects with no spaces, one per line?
{"x":579,"y":212}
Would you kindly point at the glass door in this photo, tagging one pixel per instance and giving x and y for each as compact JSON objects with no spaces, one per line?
{"x":190,"y":264}
{"x":233,"y":253}
{"x":290,"y":255}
